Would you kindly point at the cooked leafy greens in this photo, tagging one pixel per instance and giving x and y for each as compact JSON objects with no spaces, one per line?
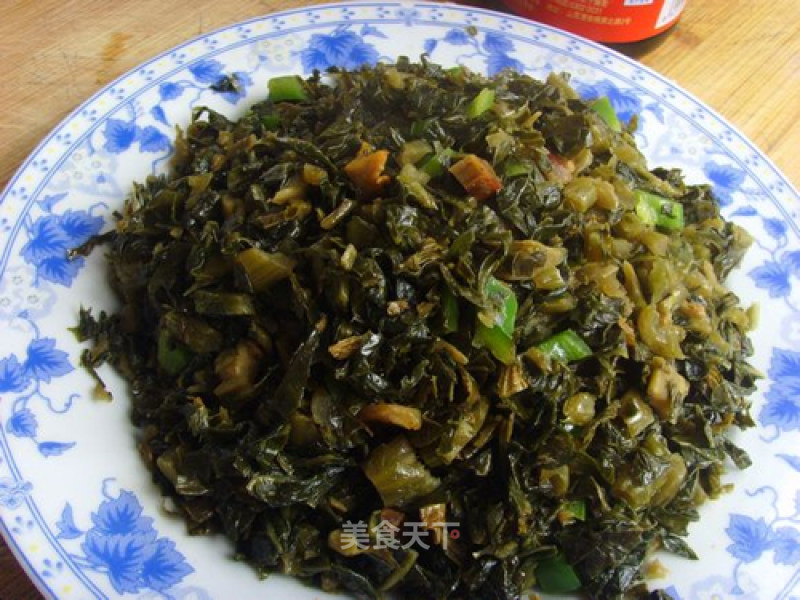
{"x":413,"y":294}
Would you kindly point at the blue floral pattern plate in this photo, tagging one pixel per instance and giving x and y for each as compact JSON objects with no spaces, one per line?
{"x":76,"y":502}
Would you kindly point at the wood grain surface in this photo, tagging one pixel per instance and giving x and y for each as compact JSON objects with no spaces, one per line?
{"x":741,"y":57}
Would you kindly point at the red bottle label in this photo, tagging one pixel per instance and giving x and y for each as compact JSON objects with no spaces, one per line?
{"x":604,"y":20}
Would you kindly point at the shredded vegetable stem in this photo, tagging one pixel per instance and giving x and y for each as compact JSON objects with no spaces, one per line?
{"x":410,"y":330}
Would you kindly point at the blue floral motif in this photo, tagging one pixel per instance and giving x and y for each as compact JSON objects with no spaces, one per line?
{"x":750,"y":537}
{"x":498,"y":61}
{"x":208,"y":73}
{"x":625,"y":102}
{"x":787,"y":546}
{"x":47,"y":239}
{"x":79,"y":225}
{"x":22,"y":424}
{"x":792,"y":461}
{"x":60,"y":270}
{"x":742,"y":211}
{"x":51,"y":237}
{"x":372,"y":30}
{"x":12,"y":375}
{"x":165,"y":567}
{"x":243,"y":81}
{"x":170,"y":90}
{"x":120,"y":135}
{"x":48,"y":449}
{"x":726,"y":180}
{"x":121,"y":517}
{"x":48,"y":201}
{"x":362,"y":54}
{"x":152,"y":140}
{"x":776,"y":228}
{"x":773,"y":277}
{"x":13,"y":493}
{"x":792,"y":260}
{"x":67,"y":530}
{"x":341,"y":48}
{"x":44,"y":361}
{"x":207,"y":70}
{"x":457,"y":37}
{"x":495,"y":49}
{"x":121,"y":557}
{"x":495,"y":43}
{"x":123,"y":545}
{"x":159,"y":115}
{"x":782,"y":408}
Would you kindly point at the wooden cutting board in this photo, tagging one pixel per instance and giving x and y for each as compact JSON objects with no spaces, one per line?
{"x":742,"y":57}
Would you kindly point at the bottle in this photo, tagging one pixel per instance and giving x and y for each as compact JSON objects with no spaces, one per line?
{"x":610,"y":21}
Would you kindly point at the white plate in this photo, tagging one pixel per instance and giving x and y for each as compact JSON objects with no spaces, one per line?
{"x":77,"y":504}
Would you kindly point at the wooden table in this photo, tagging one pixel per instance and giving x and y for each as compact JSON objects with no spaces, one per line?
{"x":739,"y":56}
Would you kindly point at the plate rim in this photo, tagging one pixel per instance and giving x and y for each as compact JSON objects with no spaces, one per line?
{"x":19,"y":554}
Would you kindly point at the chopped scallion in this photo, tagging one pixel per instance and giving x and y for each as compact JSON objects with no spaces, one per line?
{"x":659,"y":211}
{"x":514,"y":167}
{"x":290,"y":87}
{"x":481,"y":103}
{"x":498,"y":338}
{"x":565,"y":346}
{"x":436,"y":164}
{"x":603,"y":107}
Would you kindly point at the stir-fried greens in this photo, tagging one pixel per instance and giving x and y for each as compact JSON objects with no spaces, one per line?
{"x":410,"y":295}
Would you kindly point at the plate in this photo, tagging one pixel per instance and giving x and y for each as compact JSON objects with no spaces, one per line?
{"x":78,"y":508}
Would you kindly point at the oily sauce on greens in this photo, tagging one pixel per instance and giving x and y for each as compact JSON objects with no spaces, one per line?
{"x":413,"y":294}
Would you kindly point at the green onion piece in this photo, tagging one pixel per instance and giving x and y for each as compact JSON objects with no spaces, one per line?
{"x":499,"y":339}
{"x":497,"y":342}
{"x":436,"y":164}
{"x":602,"y":106}
{"x":271,"y":122}
{"x":480,"y":103}
{"x":658,"y":211}
{"x":576,"y":508}
{"x":450,"y":312}
{"x":432,"y":166}
{"x":500,"y":292}
{"x":565,"y":346}
{"x":514,"y":167}
{"x":286,"y":88}
{"x":172,"y":356}
{"x":458,"y":70}
{"x":646,"y":210}
{"x":556,"y":576}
